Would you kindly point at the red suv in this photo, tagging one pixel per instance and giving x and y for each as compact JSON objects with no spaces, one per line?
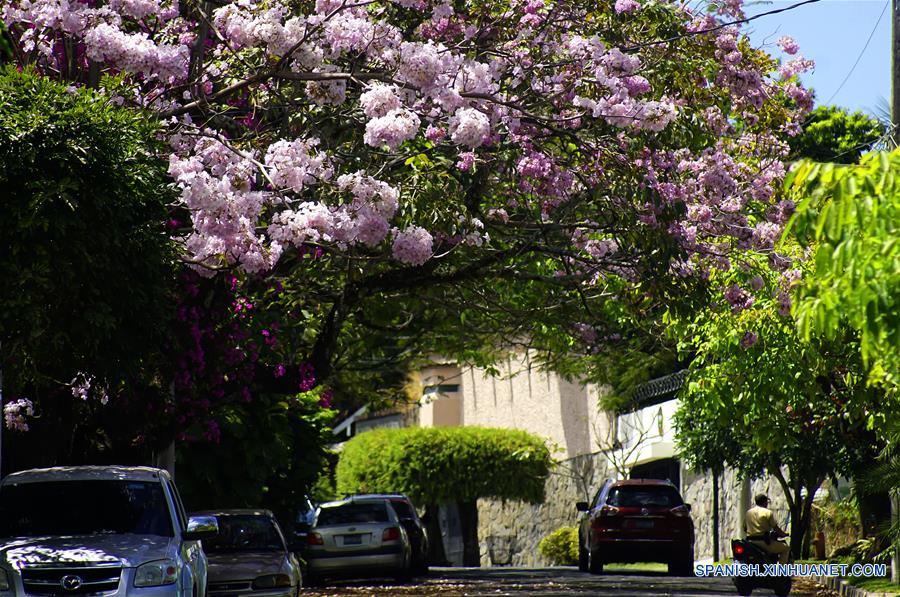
{"x":639,"y":520}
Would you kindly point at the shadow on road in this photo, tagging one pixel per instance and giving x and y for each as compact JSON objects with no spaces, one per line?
{"x":542,"y":582}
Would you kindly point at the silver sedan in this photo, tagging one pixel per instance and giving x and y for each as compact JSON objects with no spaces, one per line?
{"x":357,"y":537}
{"x":249,"y":557}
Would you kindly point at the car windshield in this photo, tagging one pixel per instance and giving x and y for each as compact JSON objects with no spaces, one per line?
{"x":644,"y":497}
{"x":402,"y":509}
{"x":245,"y":533}
{"x":352,"y":513}
{"x":63,"y":508}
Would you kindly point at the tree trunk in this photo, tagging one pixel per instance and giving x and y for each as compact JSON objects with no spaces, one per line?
{"x":468,"y":519}
{"x":436,"y":554}
{"x":715,"y":513}
{"x":806,"y":523}
{"x":895,"y":549}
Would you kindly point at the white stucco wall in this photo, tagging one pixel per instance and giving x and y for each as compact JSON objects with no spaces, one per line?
{"x":522,"y":397}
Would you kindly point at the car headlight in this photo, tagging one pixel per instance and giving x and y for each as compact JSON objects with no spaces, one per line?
{"x":4,"y":580}
{"x":271,"y":581}
{"x":155,"y":574}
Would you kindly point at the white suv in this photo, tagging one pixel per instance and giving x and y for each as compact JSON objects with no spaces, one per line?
{"x":108,"y":530}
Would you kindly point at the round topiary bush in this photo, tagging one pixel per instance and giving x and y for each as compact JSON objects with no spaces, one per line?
{"x":561,"y":546}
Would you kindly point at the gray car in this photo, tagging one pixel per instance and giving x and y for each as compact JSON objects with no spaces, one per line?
{"x":113,"y":530}
{"x":358,"y":537}
{"x":249,"y":556}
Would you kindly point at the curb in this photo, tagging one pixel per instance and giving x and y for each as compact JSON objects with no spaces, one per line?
{"x":845,"y":589}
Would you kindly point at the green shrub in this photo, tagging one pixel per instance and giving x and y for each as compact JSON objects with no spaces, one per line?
{"x":561,"y":547}
{"x":434,"y":465}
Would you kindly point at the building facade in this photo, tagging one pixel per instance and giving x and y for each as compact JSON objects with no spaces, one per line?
{"x":589,"y":444}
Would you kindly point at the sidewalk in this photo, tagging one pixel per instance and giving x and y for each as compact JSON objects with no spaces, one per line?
{"x":845,"y":589}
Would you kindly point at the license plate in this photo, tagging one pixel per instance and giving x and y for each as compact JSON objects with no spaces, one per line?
{"x":641,"y":524}
{"x":352,"y":539}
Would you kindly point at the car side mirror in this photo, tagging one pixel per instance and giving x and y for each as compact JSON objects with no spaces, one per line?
{"x":582,"y":506}
{"x":201,"y":527}
{"x":688,"y":506}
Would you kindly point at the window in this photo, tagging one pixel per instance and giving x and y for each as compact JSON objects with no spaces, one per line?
{"x":637,"y":496}
{"x":403,"y":509}
{"x":84,"y":508}
{"x":440,"y":389}
{"x":179,"y":507}
{"x":353,"y":513}
{"x":245,"y":533}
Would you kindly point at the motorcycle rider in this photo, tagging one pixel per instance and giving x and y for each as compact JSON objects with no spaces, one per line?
{"x":763,"y":530}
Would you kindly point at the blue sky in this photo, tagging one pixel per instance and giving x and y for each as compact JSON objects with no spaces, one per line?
{"x":833,"y":33}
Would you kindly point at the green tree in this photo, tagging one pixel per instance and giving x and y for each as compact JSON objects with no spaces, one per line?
{"x":832,"y":134}
{"x":269,"y":454}
{"x":849,"y":217}
{"x":761,"y":398}
{"x":87,"y":266}
{"x":450,"y":464}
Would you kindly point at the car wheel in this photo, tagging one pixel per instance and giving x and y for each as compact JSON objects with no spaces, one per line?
{"x":783,"y":588}
{"x":582,"y":556}
{"x":682,"y":565}
{"x":595,"y":564}
{"x":743,"y":587}
{"x":404,"y":575}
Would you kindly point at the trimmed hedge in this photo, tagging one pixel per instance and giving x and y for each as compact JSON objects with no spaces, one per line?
{"x":433,"y":465}
{"x":561,"y":546}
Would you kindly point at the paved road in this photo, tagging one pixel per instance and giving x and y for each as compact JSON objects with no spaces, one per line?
{"x":546,"y":582}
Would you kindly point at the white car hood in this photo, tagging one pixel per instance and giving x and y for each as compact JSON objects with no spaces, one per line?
{"x":129,"y":550}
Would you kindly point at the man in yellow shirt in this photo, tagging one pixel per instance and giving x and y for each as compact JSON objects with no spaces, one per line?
{"x":763,"y":531}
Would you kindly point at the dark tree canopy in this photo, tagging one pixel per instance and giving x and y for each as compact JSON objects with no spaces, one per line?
{"x":87,"y":263}
{"x":87,"y":269}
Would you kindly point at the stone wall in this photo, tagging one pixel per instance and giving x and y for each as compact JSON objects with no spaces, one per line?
{"x":697,"y":490}
{"x":509,"y":532}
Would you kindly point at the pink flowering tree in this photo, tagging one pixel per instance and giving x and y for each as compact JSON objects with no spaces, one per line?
{"x":506,"y":168}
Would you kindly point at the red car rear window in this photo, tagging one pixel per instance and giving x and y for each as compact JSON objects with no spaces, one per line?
{"x":644,"y":497}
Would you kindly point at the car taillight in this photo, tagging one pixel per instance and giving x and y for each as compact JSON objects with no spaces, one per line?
{"x":680,"y":511}
{"x":609,"y":511}
{"x":738,"y":549}
{"x":315,"y":539}
{"x":391,"y":534}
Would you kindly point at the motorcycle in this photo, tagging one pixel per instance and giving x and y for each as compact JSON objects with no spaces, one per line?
{"x":747,"y":552}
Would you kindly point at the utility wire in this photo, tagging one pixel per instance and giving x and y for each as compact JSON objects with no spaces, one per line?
{"x":863,"y":51}
{"x":717,"y":27}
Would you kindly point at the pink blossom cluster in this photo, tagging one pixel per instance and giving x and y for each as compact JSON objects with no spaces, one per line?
{"x":626,"y":6}
{"x":469,"y":127}
{"x":490,"y":97}
{"x":104,"y":33}
{"x":738,"y":298}
{"x":586,"y":333}
{"x":295,"y":164}
{"x":413,"y":246}
{"x":217,"y":187}
{"x":14,"y":413}
{"x":392,"y":129}
{"x":788,"y":45}
{"x":749,"y":339}
{"x":363,"y":220}
{"x":81,"y":385}
{"x":379,"y":99}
